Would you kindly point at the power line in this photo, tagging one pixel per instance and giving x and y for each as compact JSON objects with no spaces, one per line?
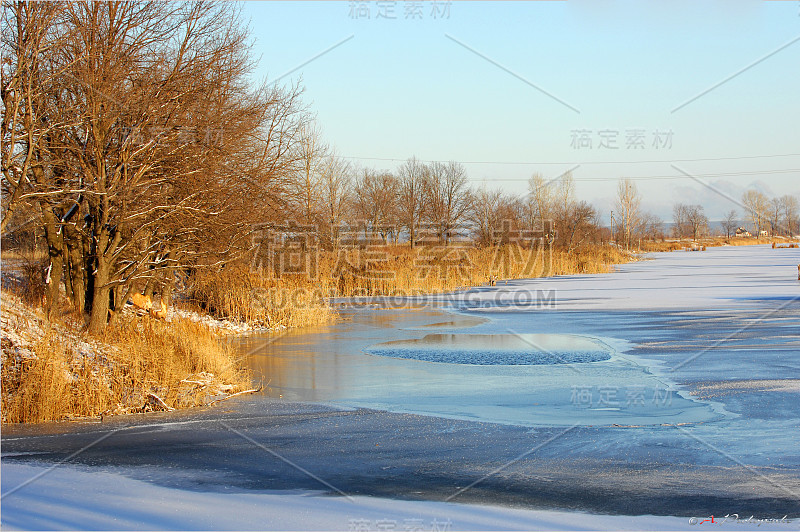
{"x":659,"y":177}
{"x":585,"y":162}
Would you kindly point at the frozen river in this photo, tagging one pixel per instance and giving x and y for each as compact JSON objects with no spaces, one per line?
{"x":670,"y":387}
{"x":654,"y":344}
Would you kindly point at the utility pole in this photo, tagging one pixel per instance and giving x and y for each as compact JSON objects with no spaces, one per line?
{"x":612,"y":226}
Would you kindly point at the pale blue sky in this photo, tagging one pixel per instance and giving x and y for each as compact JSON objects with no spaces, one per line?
{"x":402,"y":87}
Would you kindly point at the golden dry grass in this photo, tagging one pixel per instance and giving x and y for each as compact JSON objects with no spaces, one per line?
{"x":51,"y":370}
{"x":650,"y":246}
{"x":671,"y":245}
{"x":262,"y":298}
{"x":242,"y":295}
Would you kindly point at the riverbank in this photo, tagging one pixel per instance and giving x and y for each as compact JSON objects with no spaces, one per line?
{"x":53,"y":370}
{"x":79,"y":381}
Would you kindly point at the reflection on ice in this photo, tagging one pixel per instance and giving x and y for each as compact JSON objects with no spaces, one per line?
{"x":495,"y":349}
{"x":336,"y":365}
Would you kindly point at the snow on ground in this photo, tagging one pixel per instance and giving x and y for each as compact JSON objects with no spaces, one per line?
{"x":13,"y":280}
{"x":67,"y":497}
{"x":220,"y":325}
{"x":720,"y":277}
{"x":19,"y":328}
{"x":22,"y":327}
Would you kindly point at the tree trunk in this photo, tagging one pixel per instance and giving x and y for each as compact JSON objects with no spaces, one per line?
{"x":101,"y":297}
{"x":166,"y":292}
{"x":149,"y":287}
{"x":77,"y":270}
{"x":56,"y":272}
{"x":55,"y":253}
{"x":68,"y":286}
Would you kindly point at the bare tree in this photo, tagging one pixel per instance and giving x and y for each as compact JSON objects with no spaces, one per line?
{"x":448,"y":199}
{"x":698,"y":222}
{"x":156,"y":153}
{"x":652,"y":227}
{"x":628,"y":202}
{"x":790,"y":215}
{"x":540,"y":197}
{"x":690,"y":221}
{"x":485,"y":216}
{"x":31,"y":32}
{"x":580,"y":224}
{"x":375,"y":195}
{"x":162,"y":67}
{"x":508,"y":216}
{"x":565,"y":217}
{"x":680,"y":220}
{"x":309,"y":182}
{"x":336,"y":192}
{"x":411,"y":178}
{"x":28,"y":32}
{"x":775,"y":215}
{"x":730,"y":223}
{"x":565,"y":192}
{"x":274,"y":158}
{"x":757,"y":206}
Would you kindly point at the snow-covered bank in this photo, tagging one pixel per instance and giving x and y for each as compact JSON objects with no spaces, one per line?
{"x":67,"y":497}
{"x":721,"y":277}
{"x":219,"y":325}
{"x":53,"y":369}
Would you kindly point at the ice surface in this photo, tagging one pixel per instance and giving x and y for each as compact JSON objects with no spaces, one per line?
{"x":495,"y":349}
{"x":69,"y":498}
{"x":340,"y":364}
{"x":721,"y":277}
{"x":334,"y":364}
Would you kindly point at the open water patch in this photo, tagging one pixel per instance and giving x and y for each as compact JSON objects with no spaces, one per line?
{"x":496,"y":349}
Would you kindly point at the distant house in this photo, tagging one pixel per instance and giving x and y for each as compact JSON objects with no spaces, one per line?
{"x":763,"y":233}
{"x":742,"y":232}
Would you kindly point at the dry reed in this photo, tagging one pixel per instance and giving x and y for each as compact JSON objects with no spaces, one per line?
{"x":678,"y":245}
{"x":263,"y":297}
{"x":51,"y":370}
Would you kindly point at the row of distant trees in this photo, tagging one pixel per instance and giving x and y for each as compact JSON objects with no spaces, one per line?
{"x":331,"y":193}
{"x":778,"y":216}
{"x":419,"y":200}
{"x":437,"y":196}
